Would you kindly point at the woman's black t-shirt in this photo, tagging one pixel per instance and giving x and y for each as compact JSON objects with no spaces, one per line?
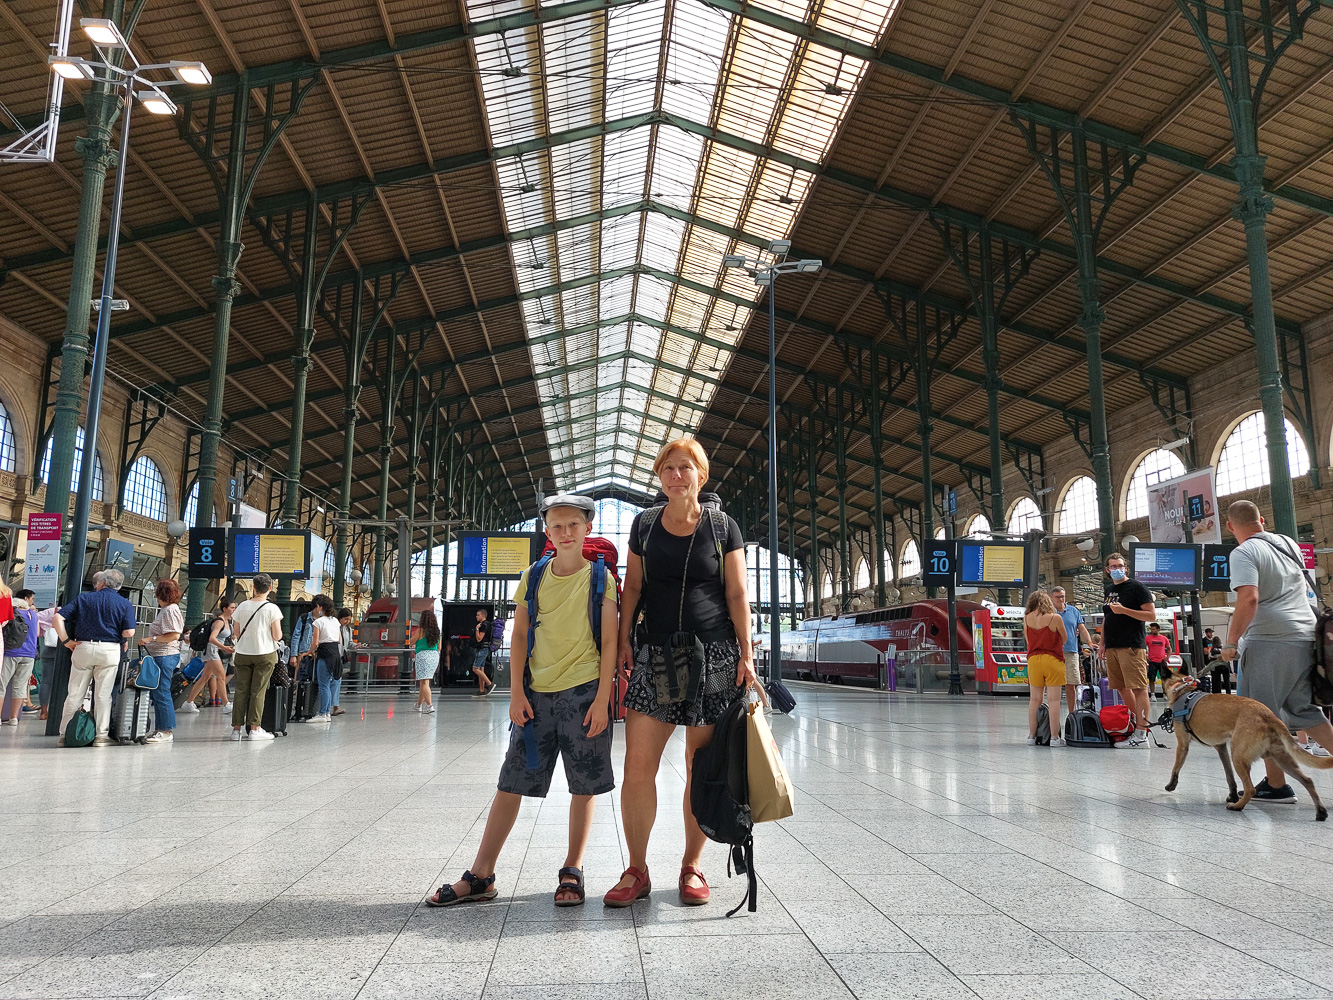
{"x":705,"y":596}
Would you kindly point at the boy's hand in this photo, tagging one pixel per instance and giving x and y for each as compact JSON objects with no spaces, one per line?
{"x":596,"y":719}
{"x":520,"y":711}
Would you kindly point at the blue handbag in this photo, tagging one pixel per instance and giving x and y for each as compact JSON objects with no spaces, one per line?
{"x":148,"y":675}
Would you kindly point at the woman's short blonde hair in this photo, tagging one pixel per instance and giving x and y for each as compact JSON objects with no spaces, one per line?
{"x":692,"y":448}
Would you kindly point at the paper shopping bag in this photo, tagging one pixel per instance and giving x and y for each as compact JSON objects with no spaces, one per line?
{"x":770,"y":786}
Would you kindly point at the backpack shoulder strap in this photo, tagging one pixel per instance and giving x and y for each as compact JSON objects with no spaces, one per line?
{"x":597,"y":595}
{"x":718,"y":521}
{"x":535,"y":573}
{"x":1300,"y":562}
{"x":646,"y":521}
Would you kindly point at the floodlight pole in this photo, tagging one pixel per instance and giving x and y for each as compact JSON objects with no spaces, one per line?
{"x":78,"y":529}
{"x":774,"y":614}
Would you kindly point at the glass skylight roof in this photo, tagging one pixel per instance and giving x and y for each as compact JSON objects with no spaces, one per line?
{"x":626,"y":347}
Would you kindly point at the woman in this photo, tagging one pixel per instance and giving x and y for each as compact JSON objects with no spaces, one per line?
{"x":163,"y":644}
{"x":327,"y":649}
{"x":1045,"y":632}
{"x":216,"y":652}
{"x":482,"y":637}
{"x":427,"y":659}
{"x":688,"y":564}
{"x":346,"y":648}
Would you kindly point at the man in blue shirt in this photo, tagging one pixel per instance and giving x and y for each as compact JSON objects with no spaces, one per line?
{"x":1076,"y":637}
{"x":95,"y":626}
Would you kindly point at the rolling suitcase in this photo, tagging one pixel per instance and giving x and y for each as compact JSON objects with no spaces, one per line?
{"x":276,"y":705}
{"x":131,"y":719}
{"x":305,"y":696}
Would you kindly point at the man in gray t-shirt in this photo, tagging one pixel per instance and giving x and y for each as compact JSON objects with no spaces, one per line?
{"x":1276,"y":623}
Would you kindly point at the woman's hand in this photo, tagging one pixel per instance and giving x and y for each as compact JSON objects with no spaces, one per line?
{"x":625,"y":658}
{"x":745,"y":670}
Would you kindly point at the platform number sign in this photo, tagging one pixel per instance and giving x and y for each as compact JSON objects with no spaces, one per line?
{"x":208,"y":553}
{"x":940,"y":566}
{"x":1217,"y":567}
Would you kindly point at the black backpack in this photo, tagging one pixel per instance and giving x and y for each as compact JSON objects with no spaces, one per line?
{"x":200,"y":633}
{"x":16,"y":631}
{"x":720,"y":796}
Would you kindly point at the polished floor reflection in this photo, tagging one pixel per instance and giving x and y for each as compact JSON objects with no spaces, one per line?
{"x":932,"y":855}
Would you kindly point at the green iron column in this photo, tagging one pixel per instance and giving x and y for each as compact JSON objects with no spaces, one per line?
{"x":790,"y":475}
{"x":812,"y":492}
{"x":351,"y":399}
{"x":877,"y":467}
{"x":925,"y":427}
{"x":1228,"y":47}
{"x":844,"y":549}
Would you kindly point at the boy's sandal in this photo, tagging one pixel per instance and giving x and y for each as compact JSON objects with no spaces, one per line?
{"x":574,"y":891}
{"x":636,"y":890}
{"x":479,"y":890}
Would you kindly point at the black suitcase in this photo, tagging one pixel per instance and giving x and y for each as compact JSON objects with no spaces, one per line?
{"x":305,"y":698}
{"x":276,"y":705}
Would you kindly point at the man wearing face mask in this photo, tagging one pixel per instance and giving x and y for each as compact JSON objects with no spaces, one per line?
{"x":1129,"y":605}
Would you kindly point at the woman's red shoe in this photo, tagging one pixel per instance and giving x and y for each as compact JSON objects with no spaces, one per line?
{"x":692,"y":895}
{"x":625,"y":895}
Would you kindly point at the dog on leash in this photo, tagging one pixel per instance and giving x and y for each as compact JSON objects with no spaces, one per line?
{"x":1253,"y":732}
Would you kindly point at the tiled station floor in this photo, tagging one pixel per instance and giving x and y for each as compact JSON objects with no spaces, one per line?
{"x":932,"y":855}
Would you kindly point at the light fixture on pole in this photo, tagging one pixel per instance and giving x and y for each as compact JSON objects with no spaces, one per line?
{"x":765,"y":275}
{"x":105,"y":34}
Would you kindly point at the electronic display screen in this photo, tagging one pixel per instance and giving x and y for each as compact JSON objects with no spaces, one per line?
{"x":502,"y":555}
{"x":1170,"y":567}
{"x":992,"y":564}
{"x":270,"y":550}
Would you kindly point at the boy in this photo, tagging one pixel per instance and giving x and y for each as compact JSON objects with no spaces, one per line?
{"x":563,"y":701}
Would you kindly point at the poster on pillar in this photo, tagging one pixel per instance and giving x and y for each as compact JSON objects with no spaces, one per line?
{"x":41,"y":567}
{"x":1189,"y":497}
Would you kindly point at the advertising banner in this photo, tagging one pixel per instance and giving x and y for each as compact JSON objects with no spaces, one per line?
{"x":41,"y":566}
{"x":1190,"y":496}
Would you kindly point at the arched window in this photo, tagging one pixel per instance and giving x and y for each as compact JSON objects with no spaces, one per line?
{"x":1156,"y":466}
{"x":45,"y":473}
{"x":888,"y":565}
{"x":329,"y":565}
{"x":1078,"y":512}
{"x":978,"y":527}
{"x":145,"y":492}
{"x":1023,"y":517}
{"x":191,"y":513}
{"x":910,"y":563}
{"x":863,"y":574}
{"x":1243,"y":464}
{"x":7,"y":449}
{"x":939,"y":532}
{"x":826,"y":588}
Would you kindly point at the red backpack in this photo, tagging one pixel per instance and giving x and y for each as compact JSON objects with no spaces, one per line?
{"x":594,"y":546}
{"x":1117,"y":722}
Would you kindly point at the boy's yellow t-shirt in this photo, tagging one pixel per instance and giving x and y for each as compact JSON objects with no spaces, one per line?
{"x":563,"y":654}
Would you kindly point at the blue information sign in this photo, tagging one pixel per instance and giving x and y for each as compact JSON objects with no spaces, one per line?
{"x":940,"y":565}
{"x":1217,"y":567}
{"x":992,"y":564}
{"x":208,"y":553}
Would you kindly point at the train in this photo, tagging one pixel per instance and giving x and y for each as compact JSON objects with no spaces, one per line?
{"x":910,"y":642}
{"x":457,"y":619}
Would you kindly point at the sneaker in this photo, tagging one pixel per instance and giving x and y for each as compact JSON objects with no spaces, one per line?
{"x":428,"y":710}
{"x":1058,"y":743}
{"x":1139,"y":741}
{"x":188,"y":708}
{"x":60,"y":742}
{"x":15,"y":722}
{"x":320,"y":718}
{"x":102,"y":741}
{"x":235,"y":736}
{"x":160,"y":738}
{"x":1264,"y":792}
{"x":1032,"y":741}
{"x":226,"y":707}
{"x":258,"y":734}
{"x":1315,"y":749}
